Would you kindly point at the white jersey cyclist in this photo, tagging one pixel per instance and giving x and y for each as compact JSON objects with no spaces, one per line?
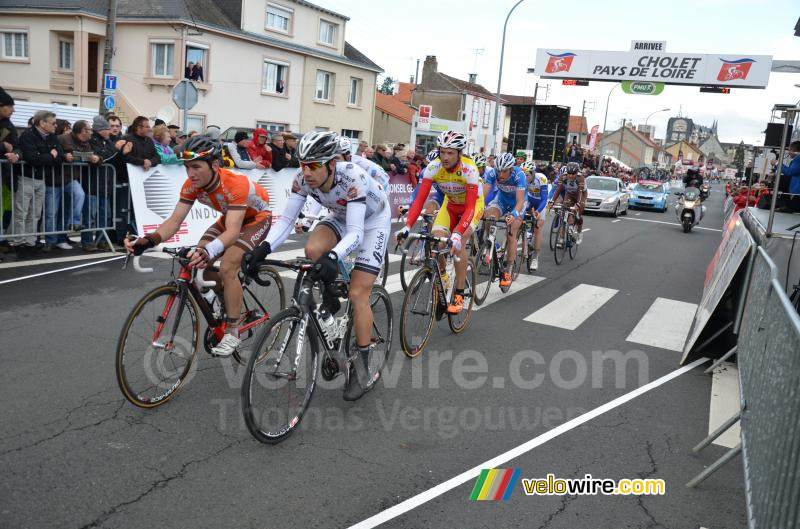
{"x":358,"y":213}
{"x":372,"y":169}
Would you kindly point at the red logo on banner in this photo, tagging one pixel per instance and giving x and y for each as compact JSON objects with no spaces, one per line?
{"x":734,"y":70}
{"x":183,"y":230}
{"x":559,"y":63}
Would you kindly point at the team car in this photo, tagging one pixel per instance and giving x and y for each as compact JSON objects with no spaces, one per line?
{"x":649,"y":194}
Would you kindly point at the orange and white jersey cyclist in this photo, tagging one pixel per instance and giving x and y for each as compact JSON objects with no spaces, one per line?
{"x":457,"y":177}
{"x":244,"y":224}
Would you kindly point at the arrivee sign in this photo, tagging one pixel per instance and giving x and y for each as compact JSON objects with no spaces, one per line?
{"x":744,"y":71}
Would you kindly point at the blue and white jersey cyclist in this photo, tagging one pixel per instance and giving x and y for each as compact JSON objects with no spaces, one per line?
{"x":512,"y":188}
{"x":538,"y":193}
{"x":359,"y":220}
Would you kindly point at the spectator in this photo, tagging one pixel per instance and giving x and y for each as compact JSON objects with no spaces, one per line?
{"x":398,"y":155}
{"x":9,"y":149}
{"x":62,"y":127}
{"x":237,"y":149}
{"x":188,"y":71}
{"x":574,"y":152}
{"x":362,"y":146}
{"x":159,"y":122}
{"x":96,"y":211}
{"x":791,"y":175}
{"x":383,"y":158}
{"x":161,"y":142}
{"x":413,"y":167}
{"x":137,"y":147}
{"x":280,"y":158}
{"x":369,"y":152}
{"x":76,"y":143}
{"x":197,"y":72}
{"x":193,"y":133}
{"x":115,"y":127}
{"x":173,"y":134}
{"x":213,"y":132}
{"x":180,"y":139}
{"x":258,"y":150}
{"x":291,"y":149}
{"x":42,"y":154}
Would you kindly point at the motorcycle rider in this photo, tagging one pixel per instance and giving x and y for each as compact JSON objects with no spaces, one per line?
{"x":692,"y":178}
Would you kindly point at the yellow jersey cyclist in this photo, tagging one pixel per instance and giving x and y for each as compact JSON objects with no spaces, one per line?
{"x":244,"y":224}
{"x":359,"y":219}
{"x":457,"y":177}
{"x":508,"y":202}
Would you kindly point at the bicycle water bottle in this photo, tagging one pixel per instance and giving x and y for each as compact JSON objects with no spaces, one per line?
{"x":213,"y":302}
{"x":328,"y":324}
{"x":345,"y":267}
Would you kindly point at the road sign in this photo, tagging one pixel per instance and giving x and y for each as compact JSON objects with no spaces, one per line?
{"x":109,"y":83}
{"x":642,"y":87}
{"x":109,"y":102}
{"x":184,"y":95}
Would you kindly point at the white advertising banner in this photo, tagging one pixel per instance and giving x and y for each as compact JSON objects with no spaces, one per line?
{"x":155,"y":192}
{"x":745,"y":71}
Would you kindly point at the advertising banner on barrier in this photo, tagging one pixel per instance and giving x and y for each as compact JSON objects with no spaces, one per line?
{"x":400,"y":190}
{"x":155,"y":192}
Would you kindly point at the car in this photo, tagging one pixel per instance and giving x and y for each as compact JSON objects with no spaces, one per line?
{"x":230,"y":132}
{"x":649,"y":194}
{"x":606,"y":195}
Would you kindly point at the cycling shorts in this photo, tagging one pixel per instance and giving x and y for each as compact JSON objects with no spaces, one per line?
{"x":505,"y":205}
{"x":534,"y":203}
{"x":252,"y":234}
{"x":450,"y":215}
{"x":436,"y":196}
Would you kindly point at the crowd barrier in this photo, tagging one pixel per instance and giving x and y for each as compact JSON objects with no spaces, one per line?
{"x":53,"y":202}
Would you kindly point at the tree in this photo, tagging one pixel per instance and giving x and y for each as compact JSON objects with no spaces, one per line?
{"x":738,"y":158}
{"x":387,"y":87}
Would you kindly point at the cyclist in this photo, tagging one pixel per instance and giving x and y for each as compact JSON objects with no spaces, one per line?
{"x":559,"y":175}
{"x":537,"y":200}
{"x":509,"y":202}
{"x":485,"y":172}
{"x":459,"y":180}
{"x":573,"y":185}
{"x":359,"y":220}
{"x":244,"y":224}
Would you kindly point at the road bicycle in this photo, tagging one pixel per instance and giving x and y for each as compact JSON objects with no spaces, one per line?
{"x":428,"y":295}
{"x":158,"y":344}
{"x":415,"y":252}
{"x":491,"y":257}
{"x":567,"y":234}
{"x":300,"y":342}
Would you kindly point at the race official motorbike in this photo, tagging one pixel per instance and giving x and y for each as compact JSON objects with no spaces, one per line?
{"x":705,"y":191}
{"x":689,"y":208}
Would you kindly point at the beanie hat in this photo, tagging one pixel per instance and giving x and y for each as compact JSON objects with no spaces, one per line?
{"x":241,"y":135}
{"x":100,"y":123}
{"x":5,"y":99}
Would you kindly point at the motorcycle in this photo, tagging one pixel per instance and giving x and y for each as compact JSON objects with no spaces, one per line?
{"x":705,"y":191}
{"x":689,"y":208}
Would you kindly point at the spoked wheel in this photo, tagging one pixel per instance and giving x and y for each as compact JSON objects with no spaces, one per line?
{"x":412,"y":259}
{"x":458,"y":322}
{"x":264,"y":297}
{"x":522,"y":252}
{"x":573,"y":245}
{"x":382,"y":327}
{"x":561,"y":243}
{"x":554,"y":231}
{"x":280,"y":379}
{"x":157,"y":347}
{"x":484,"y":268}
{"x":419,"y":306}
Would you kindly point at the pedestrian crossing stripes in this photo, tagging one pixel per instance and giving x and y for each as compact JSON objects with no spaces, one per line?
{"x":570,"y":310}
{"x":495,"y":294}
{"x":665,"y":324}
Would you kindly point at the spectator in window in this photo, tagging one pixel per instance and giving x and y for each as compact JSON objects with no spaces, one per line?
{"x":258,"y":149}
{"x":96,"y":210}
{"x":161,"y":141}
{"x":137,"y":146}
{"x":43,"y":156}
{"x":188,"y":71}
{"x":237,"y":149}
{"x":397,"y":160}
{"x":280,"y":158}
{"x":197,"y":72}
{"x":291,"y":149}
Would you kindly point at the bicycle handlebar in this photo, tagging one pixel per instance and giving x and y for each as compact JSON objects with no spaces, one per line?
{"x":139,"y":268}
{"x":201,"y":282}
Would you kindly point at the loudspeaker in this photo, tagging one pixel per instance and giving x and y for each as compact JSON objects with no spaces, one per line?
{"x":772,"y":136}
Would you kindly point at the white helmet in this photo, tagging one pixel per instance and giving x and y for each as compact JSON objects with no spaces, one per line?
{"x":345,"y":147}
{"x":505,"y":161}
{"x":431,"y":156}
{"x":480,"y":160}
{"x":318,"y":146}
{"x":527,"y":167}
{"x":451,"y":139}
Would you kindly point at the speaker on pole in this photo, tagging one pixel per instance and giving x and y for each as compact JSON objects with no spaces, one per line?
{"x":773,"y":134}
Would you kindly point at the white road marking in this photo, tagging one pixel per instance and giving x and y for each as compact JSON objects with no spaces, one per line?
{"x":618,"y":220}
{"x":724,"y":403}
{"x":637,"y":214}
{"x":55,"y":260}
{"x":500,"y":460}
{"x":665,"y":324}
{"x":522,"y":282}
{"x":61,"y":270}
{"x":573,"y":308}
{"x":674,"y":224}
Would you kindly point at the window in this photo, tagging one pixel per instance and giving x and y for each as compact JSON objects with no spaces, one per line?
{"x":65,"y":54}
{"x":323,"y":92}
{"x":163,"y":59}
{"x":275,"y":75}
{"x":354,"y":97}
{"x":327,"y":32}
{"x":197,"y":54}
{"x":15,"y":44}
{"x":321,"y":129}
{"x":271,"y":127}
{"x":278,"y":18}
{"x":195,"y":122}
{"x":476,"y":105}
{"x":487,"y":108}
{"x":348,"y":133}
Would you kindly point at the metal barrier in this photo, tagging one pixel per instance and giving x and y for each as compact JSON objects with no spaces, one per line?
{"x":768,"y":353}
{"x":52,"y":202}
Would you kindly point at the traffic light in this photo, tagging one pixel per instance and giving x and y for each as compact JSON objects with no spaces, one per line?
{"x":575,"y":82}
{"x":715,"y":90}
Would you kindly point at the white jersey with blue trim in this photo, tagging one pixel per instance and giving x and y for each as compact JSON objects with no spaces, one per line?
{"x":372,"y":169}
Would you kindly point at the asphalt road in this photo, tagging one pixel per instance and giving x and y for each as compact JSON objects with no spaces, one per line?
{"x":75,"y":454}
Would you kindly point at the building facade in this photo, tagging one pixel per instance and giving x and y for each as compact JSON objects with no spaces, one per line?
{"x":633,"y":148}
{"x":282,"y":65}
{"x":393,"y":120}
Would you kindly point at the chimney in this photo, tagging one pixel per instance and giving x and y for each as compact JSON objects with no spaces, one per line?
{"x":473,"y":77}
{"x":411,"y":80}
{"x":429,"y":68}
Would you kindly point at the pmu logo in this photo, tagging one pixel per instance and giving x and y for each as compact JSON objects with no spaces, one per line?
{"x":734,"y":70}
{"x":559,"y":63}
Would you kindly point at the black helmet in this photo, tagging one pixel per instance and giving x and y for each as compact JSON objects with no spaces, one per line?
{"x":318,"y":147}
{"x":573,"y":167}
{"x":692,"y":171}
{"x":200,"y":147}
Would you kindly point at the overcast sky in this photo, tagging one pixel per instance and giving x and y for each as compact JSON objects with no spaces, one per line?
{"x":395,"y":35}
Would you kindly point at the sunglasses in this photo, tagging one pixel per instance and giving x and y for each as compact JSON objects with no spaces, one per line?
{"x":311,"y":165}
{"x":192,"y":155}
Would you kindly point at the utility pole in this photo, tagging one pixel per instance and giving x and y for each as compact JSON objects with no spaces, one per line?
{"x":621,"y":140}
{"x":583,"y":114}
{"x":108,"y":55}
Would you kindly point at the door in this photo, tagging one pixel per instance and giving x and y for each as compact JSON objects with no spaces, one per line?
{"x":92,"y":68}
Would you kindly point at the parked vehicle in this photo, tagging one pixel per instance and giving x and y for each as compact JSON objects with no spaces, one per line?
{"x":606,"y":195}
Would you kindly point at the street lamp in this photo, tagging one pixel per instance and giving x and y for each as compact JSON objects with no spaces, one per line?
{"x":656,"y":112}
{"x":499,"y":78}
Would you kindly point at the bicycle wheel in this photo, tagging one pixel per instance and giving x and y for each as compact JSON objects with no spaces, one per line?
{"x":384,"y":273}
{"x":573,"y":246}
{"x":522,"y":252}
{"x":561,"y":243}
{"x":412,"y":259}
{"x":151,"y":362}
{"x":276,"y":391}
{"x":419,"y":305}
{"x":458,"y":322}
{"x":382,"y":327}
{"x":263,"y":299}
{"x":554,"y":231}
{"x":484,"y":272}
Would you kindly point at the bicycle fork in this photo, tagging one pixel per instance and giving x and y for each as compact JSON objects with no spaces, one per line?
{"x":163,"y":319}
